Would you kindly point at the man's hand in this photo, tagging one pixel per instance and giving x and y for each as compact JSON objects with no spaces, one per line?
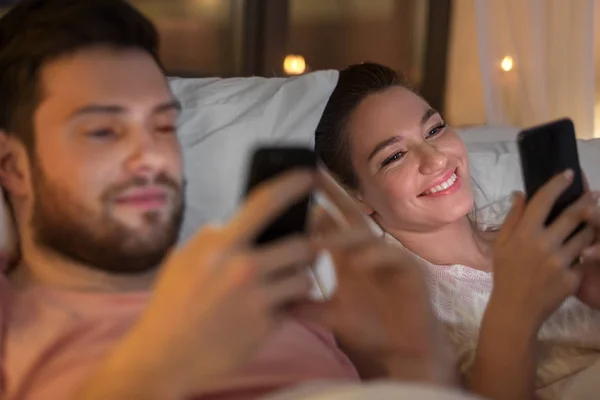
{"x":216,"y":300}
{"x":380,"y":312}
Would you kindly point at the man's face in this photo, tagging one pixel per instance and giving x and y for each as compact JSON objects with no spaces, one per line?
{"x":106,"y":181}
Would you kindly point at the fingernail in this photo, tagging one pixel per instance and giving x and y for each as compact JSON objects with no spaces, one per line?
{"x":568,"y":174}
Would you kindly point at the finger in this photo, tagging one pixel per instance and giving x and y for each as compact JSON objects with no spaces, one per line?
{"x":594,"y":218}
{"x":571,"y":218}
{"x":322,"y":222}
{"x":381,"y":255}
{"x":209,"y":237}
{"x":345,"y":240}
{"x":541,"y":203}
{"x":284,"y":293}
{"x":513,"y":218}
{"x":589,"y":290}
{"x":573,"y":249}
{"x":267,"y":202}
{"x":591,"y":254}
{"x":343,"y":246}
{"x":283,"y":257}
{"x":321,"y":313}
{"x":338,"y":196}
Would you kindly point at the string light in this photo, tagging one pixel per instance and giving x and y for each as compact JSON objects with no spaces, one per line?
{"x":507,"y":63}
{"x":294,"y":65}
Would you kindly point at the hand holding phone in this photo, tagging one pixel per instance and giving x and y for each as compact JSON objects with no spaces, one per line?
{"x":268,"y":162}
{"x":546,"y":151}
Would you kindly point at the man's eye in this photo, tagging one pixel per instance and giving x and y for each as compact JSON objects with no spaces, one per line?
{"x":102,"y":133}
{"x":167,"y":129}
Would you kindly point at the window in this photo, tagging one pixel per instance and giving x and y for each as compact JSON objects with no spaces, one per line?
{"x":199,"y":37}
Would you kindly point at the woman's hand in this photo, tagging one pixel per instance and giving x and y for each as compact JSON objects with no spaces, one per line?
{"x":532,"y":261}
{"x":589,"y":290}
{"x":533,"y":275}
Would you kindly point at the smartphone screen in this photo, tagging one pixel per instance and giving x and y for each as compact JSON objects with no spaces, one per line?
{"x":268,"y":162}
{"x":546,"y":151}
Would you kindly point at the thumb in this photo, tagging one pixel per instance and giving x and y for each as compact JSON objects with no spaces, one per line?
{"x":321,"y":222}
{"x":514,"y":216}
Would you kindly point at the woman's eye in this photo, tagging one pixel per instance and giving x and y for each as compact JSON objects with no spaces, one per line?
{"x":436,"y":130}
{"x":391,"y":159}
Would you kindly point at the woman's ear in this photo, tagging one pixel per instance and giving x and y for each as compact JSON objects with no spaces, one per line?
{"x":364,"y":207}
{"x":13,"y":159}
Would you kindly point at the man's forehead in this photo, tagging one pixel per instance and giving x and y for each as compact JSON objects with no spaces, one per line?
{"x":100,"y":74}
{"x":115,"y":108}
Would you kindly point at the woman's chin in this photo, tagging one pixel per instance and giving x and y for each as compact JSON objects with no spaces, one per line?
{"x":448,"y":207}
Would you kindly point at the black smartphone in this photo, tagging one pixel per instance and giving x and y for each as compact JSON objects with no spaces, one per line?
{"x":546,"y":151}
{"x":268,"y":162}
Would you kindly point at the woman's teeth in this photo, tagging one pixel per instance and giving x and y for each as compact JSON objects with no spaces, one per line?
{"x":442,"y":186}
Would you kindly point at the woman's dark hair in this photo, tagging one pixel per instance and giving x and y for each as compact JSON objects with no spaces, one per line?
{"x":35,"y":32}
{"x":355,"y":83}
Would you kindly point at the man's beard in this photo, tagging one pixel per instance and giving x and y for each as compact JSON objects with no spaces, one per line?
{"x":68,"y":228}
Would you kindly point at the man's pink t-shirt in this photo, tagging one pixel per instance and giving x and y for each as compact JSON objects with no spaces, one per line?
{"x":53,"y":339}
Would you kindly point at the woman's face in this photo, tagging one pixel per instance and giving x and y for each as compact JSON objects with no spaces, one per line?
{"x":412,"y":169}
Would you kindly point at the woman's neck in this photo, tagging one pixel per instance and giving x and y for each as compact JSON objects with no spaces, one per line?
{"x":456,"y":243}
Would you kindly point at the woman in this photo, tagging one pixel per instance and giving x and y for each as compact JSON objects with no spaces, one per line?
{"x":409,"y":172}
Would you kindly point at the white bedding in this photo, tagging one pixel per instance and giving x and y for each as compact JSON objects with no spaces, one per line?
{"x":368,"y":391}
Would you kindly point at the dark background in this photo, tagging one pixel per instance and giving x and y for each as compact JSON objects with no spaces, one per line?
{"x":226,"y":38}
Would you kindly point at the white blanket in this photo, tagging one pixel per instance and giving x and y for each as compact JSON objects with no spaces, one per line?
{"x":368,"y":391}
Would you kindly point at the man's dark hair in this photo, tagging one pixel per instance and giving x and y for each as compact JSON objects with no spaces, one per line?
{"x":35,"y":32}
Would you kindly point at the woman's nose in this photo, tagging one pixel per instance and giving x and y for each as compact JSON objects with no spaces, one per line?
{"x":431,"y":160}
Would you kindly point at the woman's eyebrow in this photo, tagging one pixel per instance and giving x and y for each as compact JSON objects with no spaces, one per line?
{"x":383,"y":145}
{"x":428,"y":114}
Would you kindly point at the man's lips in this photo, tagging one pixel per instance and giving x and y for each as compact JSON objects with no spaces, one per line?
{"x":149,"y":198}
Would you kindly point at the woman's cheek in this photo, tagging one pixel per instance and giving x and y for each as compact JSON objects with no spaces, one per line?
{"x":398,"y":185}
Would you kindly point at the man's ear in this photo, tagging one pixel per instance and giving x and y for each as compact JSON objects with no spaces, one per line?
{"x":364,"y":207}
{"x":13,"y":162}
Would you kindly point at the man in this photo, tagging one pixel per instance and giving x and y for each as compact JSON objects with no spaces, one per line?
{"x":91,"y":164}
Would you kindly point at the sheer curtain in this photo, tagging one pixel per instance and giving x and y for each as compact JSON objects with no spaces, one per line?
{"x":536,"y":59}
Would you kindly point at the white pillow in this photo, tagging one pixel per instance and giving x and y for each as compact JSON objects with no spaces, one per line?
{"x":224,"y":119}
{"x":488,"y":133}
{"x":496,"y":168}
